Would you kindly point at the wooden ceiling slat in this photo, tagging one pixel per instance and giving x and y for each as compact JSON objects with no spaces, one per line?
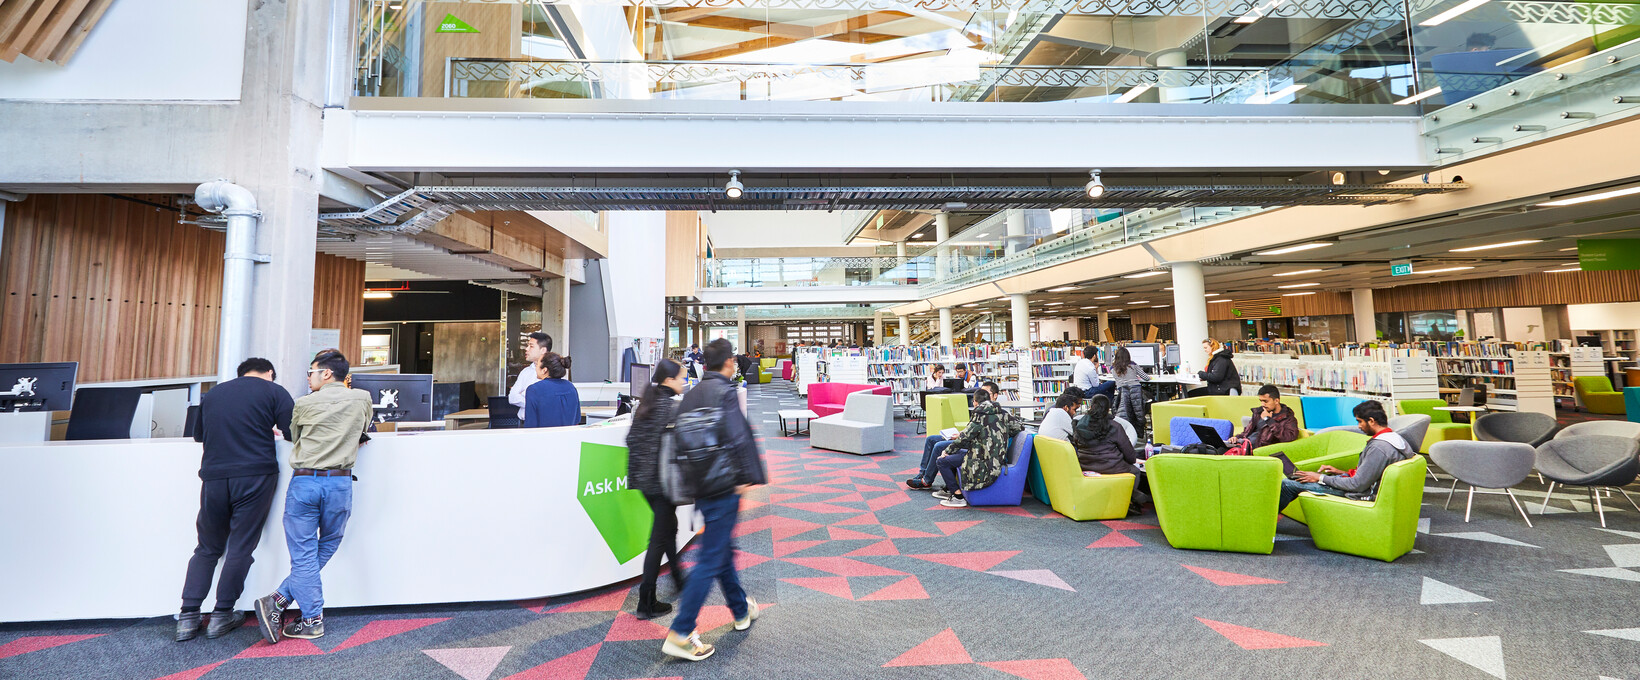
{"x":62,"y":18}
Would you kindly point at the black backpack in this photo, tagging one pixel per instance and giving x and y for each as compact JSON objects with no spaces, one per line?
{"x":705,"y":458}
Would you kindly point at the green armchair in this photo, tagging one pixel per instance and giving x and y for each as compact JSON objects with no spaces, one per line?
{"x":1441,"y":427}
{"x":1223,"y":408}
{"x":1597,"y":395}
{"x":1223,"y":503}
{"x":1382,"y":529}
{"x":1075,"y":496}
{"x":1338,"y":448}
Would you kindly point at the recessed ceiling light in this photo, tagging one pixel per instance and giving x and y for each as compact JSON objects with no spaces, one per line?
{"x":1566,"y":249}
{"x":1448,"y":15}
{"x":1115,"y":309}
{"x":1301,"y":271}
{"x":1107,"y":297}
{"x":1294,"y":249}
{"x":1061,"y":289}
{"x":1090,"y":308}
{"x":1158,"y":306}
{"x":1562,"y":271}
{"x":1490,"y":246}
{"x":378,"y":295}
{"x":972,"y":304}
{"x":1051,"y":304}
{"x":1592,"y":197}
{"x":1140,"y":275}
{"x":1299,"y":285}
{"x":1139,"y":302}
{"x":1308,"y":292}
{"x":1446,"y":269}
{"x":1213,"y":301}
{"x":1212,"y":294}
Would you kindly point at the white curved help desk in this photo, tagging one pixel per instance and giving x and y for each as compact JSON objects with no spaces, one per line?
{"x":105,"y":529}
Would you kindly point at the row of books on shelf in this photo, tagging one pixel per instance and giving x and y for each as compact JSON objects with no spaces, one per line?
{"x":1299,"y":347}
{"x":1488,"y":366}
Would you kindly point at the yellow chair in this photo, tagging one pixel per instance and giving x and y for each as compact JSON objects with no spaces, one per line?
{"x":947,"y":410}
{"x":1078,"y":497}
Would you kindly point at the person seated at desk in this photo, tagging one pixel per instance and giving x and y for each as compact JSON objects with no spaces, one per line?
{"x":552,"y":401}
{"x":1057,"y":423}
{"x":1221,"y":375}
{"x":1103,"y":448}
{"x":1385,"y":447}
{"x":979,"y":453}
{"x":1273,"y":422}
{"x":969,"y":380}
{"x":1085,"y":375}
{"x":936,"y":378}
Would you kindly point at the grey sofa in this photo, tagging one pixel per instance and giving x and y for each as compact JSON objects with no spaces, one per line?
{"x":865,"y":426}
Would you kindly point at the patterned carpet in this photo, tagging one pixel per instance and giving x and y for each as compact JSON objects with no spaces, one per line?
{"x":860,"y":578}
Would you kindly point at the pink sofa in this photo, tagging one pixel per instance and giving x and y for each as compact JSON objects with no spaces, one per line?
{"x":827,"y":398}
{"x":786,"y":369}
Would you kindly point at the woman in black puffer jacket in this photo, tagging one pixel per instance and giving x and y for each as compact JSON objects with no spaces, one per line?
{"x":643,"y":443}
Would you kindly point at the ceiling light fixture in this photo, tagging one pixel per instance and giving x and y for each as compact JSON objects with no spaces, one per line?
{"x":734,"y":189}
{"x":378,"y":295}
{"x":1294,"y":249}
{"x":1443,"y":270}
{"x":1448,"y":15}
{"x":1426,"y":94}
{"x":1140,"y":275}
{"x":1490,"y":246}
{"x":1133,"y":93}
{"x":972,"y":304}
{"x":1211,"y":294}
{"x":1562,"y":271}
{"x":1061,"y":289}
{"x":1159,"y":306}
{"x":1213,"y":301}
{"x":1298,"y":285}
{"x":1051,"y":304}
{"x":1308,"y":292}
{"x":1095,"y":187}
{"x":1591,"y":197}
{"x":1301,"y":271}
{"x":1107,"y":297}
{"x":1139,"y":302}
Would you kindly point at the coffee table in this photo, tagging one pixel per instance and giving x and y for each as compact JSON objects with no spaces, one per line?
{"x":796,"y":416}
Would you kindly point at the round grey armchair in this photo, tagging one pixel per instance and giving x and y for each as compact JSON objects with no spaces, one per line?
{"x":1607,"y":428}
{"x":1484,"y":465}
{"x":1525,"y":427}
{"x":1591,"y":461}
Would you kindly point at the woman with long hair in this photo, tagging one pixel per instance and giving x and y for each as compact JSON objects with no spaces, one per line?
{"x":650,"y":424}
{"x":552,"y":401}
{"x":1103,"y":447}
{"x":1130,"y":400}
{"x":1221,"y":375}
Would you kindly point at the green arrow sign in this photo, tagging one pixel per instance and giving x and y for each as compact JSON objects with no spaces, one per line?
{"x":621,"y":514}
{"x":453,"y":25}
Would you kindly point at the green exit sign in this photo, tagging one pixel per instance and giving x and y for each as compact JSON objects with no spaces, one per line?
{"x":1400,"y":269}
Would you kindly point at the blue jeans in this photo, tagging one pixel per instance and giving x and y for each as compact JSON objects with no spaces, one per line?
{"x":714,"y":563}
{"x":316,"y":512}
{"x":1290,"y":489}
{"x":949,"y":467}
{"x":932,"y":447}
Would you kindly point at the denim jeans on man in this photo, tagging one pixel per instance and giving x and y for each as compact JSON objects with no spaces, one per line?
{"x":316,"y":512}
{"x":932,"y":448}
{"x":1290,"y":490}
{"x":715,"y":563}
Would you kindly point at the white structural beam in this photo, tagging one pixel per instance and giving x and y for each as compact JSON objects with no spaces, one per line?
{"x":1366,"y":318}
{"x":618,"y":136}
{"x":809,"y":295}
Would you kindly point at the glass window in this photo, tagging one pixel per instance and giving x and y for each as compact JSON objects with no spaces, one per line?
{"x":1433,"y":325}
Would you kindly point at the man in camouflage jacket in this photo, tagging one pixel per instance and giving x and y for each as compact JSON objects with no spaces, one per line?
{"x":985,"y":445}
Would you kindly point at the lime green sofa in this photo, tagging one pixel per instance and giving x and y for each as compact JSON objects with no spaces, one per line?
{"x":1441,"y":427}
{"x":1225,"y":503}
{"x":1223,"y":408}
{"x":1338,"y":448}
{"x":1597,"y":395}
{"x":1075,"y":496}
{"x":946,"y":410}
{"x":1382,"y":529}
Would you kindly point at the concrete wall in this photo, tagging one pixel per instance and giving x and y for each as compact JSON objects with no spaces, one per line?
{"x":589,"y":334}
{"x":469,"y":351}
{"x":1055,"y":329}
{"x":1523,"y":324}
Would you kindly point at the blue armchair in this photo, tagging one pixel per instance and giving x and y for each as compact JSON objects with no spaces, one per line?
{"x":1010,"y":485}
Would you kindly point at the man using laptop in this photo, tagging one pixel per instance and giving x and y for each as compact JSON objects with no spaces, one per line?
{"x":1385,"y":448}
{"x":1272,"y":423}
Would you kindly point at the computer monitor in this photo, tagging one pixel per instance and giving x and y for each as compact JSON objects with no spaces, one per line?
{"x":38,"y":387}
{"x":1173,"y":354}
{"x":639,"y":379}
{"x":1144,"y":354}
{"x":398,"y":396}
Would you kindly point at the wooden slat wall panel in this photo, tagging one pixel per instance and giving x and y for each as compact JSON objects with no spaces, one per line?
{"x":338,"y":299}
{"x":116,"y":285}
{"x":1320,"y":304}
{"x":47,"y":29}
{"x":1531,"y":290}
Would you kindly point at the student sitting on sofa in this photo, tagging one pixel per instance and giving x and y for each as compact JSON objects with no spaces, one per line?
{"x":1360,"y":484}
{"x":1272,"y":423}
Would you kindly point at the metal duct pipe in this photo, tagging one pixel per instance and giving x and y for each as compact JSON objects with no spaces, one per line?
{"x":239,"y":259}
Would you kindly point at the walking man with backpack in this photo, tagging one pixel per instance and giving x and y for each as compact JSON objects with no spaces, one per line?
{"x":718,"y":452}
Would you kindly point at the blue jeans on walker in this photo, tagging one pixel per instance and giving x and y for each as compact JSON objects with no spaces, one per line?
{"x":316,"y":512}
{"x":932,"y":448}
{"x":715,"y":563}
{"x":1290,"y":489}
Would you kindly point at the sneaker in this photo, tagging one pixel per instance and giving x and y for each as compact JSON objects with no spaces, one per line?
{"x":187,"y":626}
{"x":751,"y":615}
{"x":943,"y":494}
{"x":270,"y":612}
{"x":306,"y":629}
{"x":958,"y":502}
{"x":688,"y":649}
{"x":224,"y":621}
{"x":918,"y":484}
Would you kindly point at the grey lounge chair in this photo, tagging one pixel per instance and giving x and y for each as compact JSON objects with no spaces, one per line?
{"x":1605,"y":428}
{"x":1484,"y":465}
{"x":865,"y":426}
{"x":1524,"y":427}
{"x":1132,"y":434}
{"x":1591,"y":461}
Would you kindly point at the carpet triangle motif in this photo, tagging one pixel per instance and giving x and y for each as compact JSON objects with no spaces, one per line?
{"x":1041,"y":577}
{"x":1114,"y":539}
{"x":471,"y":663}
{"x":907,"y":589}
{"x":628,"y":627}
{"x":193,"y":673}
{"x":289,"y":647}
{"x":840,"y":534}
{"x":976,"y":561}
{"x":1253,"y":638}
{"x":866,"y":519}
{"x":377,"y":630}
{"x":608,"y":602}
{"x":1436,"y":592}
{"x":573,"y":666}
{"x":892,"y":531}
{"x":875,"y":549}
{"x":35,"y":643}
{"x":836,"y":586}
{"x":954,"y":527}
{"x":1226,"y":578}
{"x":1038,"y":669}
{"x":1619,"y":633}
{"x":941,"y":650}
{"x":1483,"y":653}
{"x":784,"y":548}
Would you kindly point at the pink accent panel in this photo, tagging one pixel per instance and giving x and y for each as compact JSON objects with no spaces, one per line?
{"x":940,"y":650}
{"x":827,"y":398}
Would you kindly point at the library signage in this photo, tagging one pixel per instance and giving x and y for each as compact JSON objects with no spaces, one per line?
{"x":1400,"y":268}
{"x":1616,"y":254}
{"x":452,"y":24}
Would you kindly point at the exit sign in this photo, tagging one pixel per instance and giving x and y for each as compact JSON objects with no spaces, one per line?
{"x":1400,"y":268}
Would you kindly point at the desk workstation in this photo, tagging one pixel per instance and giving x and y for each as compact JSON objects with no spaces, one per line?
{"x":437,"y":517}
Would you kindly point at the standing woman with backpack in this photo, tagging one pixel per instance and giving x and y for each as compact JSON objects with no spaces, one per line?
{"x":1130,"y":399}
{"x":719,"y":461}
{"x":651,"y":424}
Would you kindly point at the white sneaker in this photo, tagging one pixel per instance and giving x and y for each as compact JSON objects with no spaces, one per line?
{"x":943,"y":494}
{"x":751,"y":615}
{"x":955,"y":502}
{"x":690,"y":649}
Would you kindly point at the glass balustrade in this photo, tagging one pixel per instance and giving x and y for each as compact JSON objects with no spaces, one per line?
{"x":795,"y":272}
{"x":730,"y":314}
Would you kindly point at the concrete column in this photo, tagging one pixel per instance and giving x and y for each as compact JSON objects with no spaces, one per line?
{"x":1021,"y":316}
{"x":1016,"y":231}
{"x":1366,"y":318}
{"x":1190,"y":312}
{"x":899,"y":249}
{"x":743,"y":344}
{"x":1169,"y":58}
{"x":905,"y":330}
{"x":945,"y":327}
{"x":942,"y":259}
{"x":877,"y":328}
{"x":1104,"y":324}
{"x":555,"y":312}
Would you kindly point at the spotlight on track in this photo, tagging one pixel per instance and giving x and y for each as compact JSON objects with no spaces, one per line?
{"x":1096,"y":188}
{"x":734,"y":188}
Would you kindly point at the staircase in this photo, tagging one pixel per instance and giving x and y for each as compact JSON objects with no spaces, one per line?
{"x":961,"y":323}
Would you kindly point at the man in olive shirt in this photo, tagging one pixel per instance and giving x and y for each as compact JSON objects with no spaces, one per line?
{"x":327,"y":427}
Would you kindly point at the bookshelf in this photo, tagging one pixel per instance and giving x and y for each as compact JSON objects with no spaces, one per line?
{"x":1391,"y":378}
{"x":905,"y":369}
{"x":1583,"y":361}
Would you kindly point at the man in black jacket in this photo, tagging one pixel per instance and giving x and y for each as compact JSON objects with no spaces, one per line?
{"x":238,"y":421}
{"x":715,"y":557}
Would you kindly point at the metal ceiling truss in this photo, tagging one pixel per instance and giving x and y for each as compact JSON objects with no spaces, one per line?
{"x":421,"y":207}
